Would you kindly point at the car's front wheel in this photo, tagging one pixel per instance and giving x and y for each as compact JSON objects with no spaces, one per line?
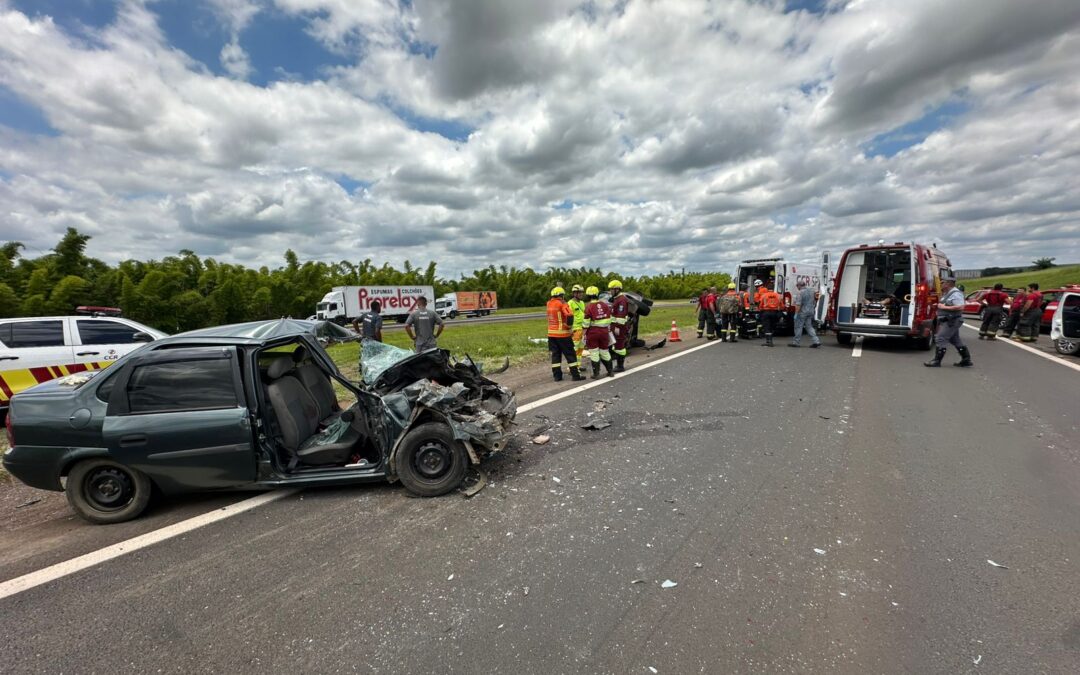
{"x":1067,"y":346}
{"x":103,"y":491}
{"x":430,"y":461}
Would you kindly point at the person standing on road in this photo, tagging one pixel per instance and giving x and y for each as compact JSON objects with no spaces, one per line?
{"x":769,"y":304}
{"x":1030,"y":315}
{"x":577,"y":306}
{"x":424,"y":326}
{"x":370,"y":327}
{"x":805,"y":300}
{"x":711,"y":329}
{"x":727,"y":309}
{"x":701,"y":317}
{"x":620,"y":326}
{"x":1014,"y":314}
{"x":560,"y":341}
{"x":597,"y":332}
{"x":950,"y":318}
{"x":993,"y":308}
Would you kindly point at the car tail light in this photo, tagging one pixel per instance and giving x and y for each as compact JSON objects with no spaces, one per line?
{"x":9,"y":429}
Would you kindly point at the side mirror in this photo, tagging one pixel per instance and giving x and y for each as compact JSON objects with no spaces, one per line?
{"x":142,"y":337}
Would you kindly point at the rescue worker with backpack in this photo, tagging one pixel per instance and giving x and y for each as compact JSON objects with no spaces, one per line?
{"x":728,"y":307}
{"x":620,"y":328}
{"x":577,"y":306}
{"x":769,"y":304}
{"x":993,"y":308}
{"x":597,"y":324}
{"x":560,"y":344}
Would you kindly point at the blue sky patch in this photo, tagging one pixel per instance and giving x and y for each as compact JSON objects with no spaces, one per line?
{"x":22,"y":116}
{"x":812,"y":6}
{"x":351,"y":185}
{"x":916,"y":131}
{"x":451,"y":129}
{"x":564,"y":205}
{"x":74,"y":16}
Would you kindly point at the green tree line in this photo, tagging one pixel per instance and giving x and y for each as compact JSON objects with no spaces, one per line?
{"x":184,"y":292}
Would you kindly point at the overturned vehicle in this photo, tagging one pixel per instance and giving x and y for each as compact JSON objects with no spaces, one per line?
{"x":253,"y":406}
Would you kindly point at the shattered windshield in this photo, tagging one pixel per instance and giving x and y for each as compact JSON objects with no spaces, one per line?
{"x":376,"y":357}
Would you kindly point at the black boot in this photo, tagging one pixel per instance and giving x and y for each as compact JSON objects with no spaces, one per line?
{"x":595,"y":370}
{"x":936,"y":362}
{"x":610,"y":372}
{"x":965,"y":358}
{"x":575,"y":374}
{"x":557,"y":374}
{"x":620,"y":364}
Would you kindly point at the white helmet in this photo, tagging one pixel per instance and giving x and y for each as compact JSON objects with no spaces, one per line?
{"x":759,"y":282}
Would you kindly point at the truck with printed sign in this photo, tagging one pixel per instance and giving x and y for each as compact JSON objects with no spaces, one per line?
{"x":345,"y":303}
{"x":469,"y":303}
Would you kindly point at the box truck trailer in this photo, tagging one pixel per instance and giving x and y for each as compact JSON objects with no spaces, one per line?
{"x":345,"y":303}
{"x":469,"y":303}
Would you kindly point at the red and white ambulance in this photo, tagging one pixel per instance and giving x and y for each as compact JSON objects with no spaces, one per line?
{"x":888,"y":290}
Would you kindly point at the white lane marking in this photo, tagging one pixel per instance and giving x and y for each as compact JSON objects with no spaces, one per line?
{"x":856,"y":351}
{"x":63,"y":569}
{"x":1036,"y":352}
{"x":604,"y":380}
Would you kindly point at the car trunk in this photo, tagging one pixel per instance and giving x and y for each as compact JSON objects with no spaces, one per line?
{"x":875,"y":288}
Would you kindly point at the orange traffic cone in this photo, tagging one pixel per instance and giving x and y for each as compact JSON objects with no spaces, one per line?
{"x":674,"y":336}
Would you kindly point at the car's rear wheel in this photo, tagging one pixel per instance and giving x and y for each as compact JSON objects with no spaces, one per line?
{"x":843,"y":338}
{"x":103,"y":491}
{"x":430,"y":461}
{"x":1067,"y":346}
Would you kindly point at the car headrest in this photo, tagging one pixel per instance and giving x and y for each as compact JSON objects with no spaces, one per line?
{"x":299,"y":354}
{"x":279,"y":367}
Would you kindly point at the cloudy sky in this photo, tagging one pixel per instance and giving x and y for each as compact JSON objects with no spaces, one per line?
{"x":636,"y":135}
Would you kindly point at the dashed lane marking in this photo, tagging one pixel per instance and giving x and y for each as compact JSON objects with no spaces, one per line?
{"x":856,"y":351}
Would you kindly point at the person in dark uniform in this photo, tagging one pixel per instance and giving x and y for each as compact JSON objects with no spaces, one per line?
{"x":370,"y":328}
{"x":950,"y":318}
{"x":1030,"y":315}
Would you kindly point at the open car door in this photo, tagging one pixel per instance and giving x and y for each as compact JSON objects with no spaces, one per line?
{"x":824,"y":289}
{"x":1065,"y":326}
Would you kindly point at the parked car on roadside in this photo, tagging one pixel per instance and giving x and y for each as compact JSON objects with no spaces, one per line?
{"x":1065,"y":325}
{"x":37,"y":349}
{"x":1050,"y":303}
{"x":252,"y":406}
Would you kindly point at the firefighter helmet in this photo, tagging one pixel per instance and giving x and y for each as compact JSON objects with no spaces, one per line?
{"x":576,"y":287}
{"x":759,"y":282}
{"x":614,"y":283}
{"x":558,"y":290}
{"x":731,"y":286}
{"x":593,"y":291}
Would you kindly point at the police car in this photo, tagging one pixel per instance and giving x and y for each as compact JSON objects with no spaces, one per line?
{"x":41,"y":348}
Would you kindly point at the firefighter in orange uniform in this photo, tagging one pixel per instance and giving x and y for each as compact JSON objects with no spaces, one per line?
{"x":597,"y":332}
{"x":769,"y":304}
{"x":620,"y":327}
{"x":560,"y":343}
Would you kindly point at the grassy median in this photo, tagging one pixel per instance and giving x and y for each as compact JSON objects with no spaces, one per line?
{"x":490,"y":343}
{"x":1055,"y":277}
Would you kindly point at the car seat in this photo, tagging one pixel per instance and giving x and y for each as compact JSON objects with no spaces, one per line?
{"x":318,"y":386}
{"x":298,"y":419}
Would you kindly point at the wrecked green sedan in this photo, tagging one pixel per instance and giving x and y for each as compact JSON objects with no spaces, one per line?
{"x":252,"y":406}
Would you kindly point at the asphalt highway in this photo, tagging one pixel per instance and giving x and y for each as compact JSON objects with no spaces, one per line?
{"x":748,"y":510}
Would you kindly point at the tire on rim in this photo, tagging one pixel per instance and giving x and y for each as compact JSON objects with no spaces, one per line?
{"x":103,"y":491}
{"x":1067,"y":346}
{"x":430,"y":461}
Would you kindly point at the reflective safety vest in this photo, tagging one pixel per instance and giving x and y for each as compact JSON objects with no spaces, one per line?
{"x":759,"y":294}
{"x":559,"y":318}
{"x":620,"y":309}
{"x":597,"y":315}
{"x":769,"y":301}
{"x":578,"y":308}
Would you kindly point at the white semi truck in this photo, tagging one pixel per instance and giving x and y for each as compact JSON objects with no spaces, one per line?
{"x":345,"y":303}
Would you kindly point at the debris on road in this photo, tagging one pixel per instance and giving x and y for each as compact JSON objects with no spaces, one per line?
{"x":653,"y":670}
{"x":29,"y":502}
{"x":977,"y":660}
{"x":450,"y":578}
{"x":819,"y":551}
{"x":637,"y":581}
{"x":668,"y":583}
{"x":658,"y":345}
{"x":541,"y":439}
{"x":596,"y":425}
{"x":998,"y":565}
{"x":556,"y":479}
{"x":525,"y":590}
{"x":473,"y":489}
